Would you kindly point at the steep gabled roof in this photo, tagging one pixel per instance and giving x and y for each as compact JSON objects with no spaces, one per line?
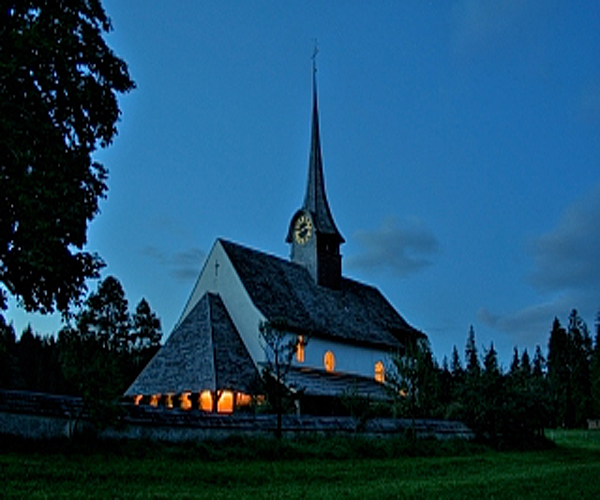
{"x":204,"y":352}
{"x":356,"y":313}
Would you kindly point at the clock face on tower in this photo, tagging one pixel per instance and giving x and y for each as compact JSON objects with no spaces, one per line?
{"x":303,"y":228}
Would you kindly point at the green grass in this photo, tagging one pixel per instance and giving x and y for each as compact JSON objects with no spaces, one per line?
{"x":265,"y":469}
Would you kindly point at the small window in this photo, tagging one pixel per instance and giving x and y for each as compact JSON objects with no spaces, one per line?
{"x":300,"y":343}
{"x":154,"y":399}
{"x":206,"y":401}
{"x":329,"y":361}
{"x":185,"y":403}
{"x":225,"y":403}
{"x":379,"y":372}
{"x":242,"y":399}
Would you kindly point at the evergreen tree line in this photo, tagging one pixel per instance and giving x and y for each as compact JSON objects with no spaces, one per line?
{"x":97,"y":355}
{"x":562,"y":390}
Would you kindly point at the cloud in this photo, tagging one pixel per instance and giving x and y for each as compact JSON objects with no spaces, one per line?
{"x":401,"y":246}
{"x":566,"y":272}
{"x":183,"y":266}
{"x":478,"y":26}
{"x":568,"y":257}
{"x":525,"y":326}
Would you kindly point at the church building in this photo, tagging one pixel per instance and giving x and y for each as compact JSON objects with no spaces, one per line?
{"x":344,"y":331}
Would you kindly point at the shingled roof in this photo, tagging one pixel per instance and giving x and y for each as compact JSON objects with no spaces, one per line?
{"x":313,"y":382}
{"x":204,"y":352}
{"x":356,"y":313}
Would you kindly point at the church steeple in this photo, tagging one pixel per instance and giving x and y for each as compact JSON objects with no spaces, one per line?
{"x":313,"y":235}
{"x":315,"y":198}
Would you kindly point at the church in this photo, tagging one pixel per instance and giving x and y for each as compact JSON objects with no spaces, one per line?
{"x":343,"y":331}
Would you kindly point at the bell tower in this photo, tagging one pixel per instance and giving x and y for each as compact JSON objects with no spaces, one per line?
{"x":314,"y":238}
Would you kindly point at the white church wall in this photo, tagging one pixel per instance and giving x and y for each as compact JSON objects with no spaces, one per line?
{"x":348,"y":358}
{"x":218,"y":276}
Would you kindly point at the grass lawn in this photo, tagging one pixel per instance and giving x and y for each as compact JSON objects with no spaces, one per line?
{"x":569,"y":470}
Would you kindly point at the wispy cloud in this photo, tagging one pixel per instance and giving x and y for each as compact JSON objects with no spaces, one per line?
{"x":402,"y":246}
{"x":566,"y":273}
{"x":478,"y":26}
{"x":183,"y":266}
{"x":568,"y":257}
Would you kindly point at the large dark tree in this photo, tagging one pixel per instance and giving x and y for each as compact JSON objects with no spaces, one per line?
{"x":58,"y":103}
{"x":559,"y":374}
{"x":580,"y":360}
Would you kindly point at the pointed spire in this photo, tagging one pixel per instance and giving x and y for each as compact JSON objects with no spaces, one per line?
{"x":315,"y":199}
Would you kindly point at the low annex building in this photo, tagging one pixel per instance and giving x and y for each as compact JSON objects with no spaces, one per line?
{"x":214,"y":357}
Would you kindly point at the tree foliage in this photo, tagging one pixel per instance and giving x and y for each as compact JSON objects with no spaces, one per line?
{"x":279,"y":346}
{"x":96,"y":357}
{"x":414,"y":381}
{"x":58,"y":103}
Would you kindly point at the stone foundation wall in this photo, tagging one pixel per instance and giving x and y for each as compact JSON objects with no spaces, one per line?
{"x":42,"y":416}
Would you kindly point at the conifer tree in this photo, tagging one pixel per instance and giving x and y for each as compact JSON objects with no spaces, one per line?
{"x":580,"y":359}
{"x":559,"y":374}
{"x":595,"y":372}
{"x":473,"y":368}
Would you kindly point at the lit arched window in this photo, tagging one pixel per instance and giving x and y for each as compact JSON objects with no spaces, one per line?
{"x":329,"y":361}
{"x":225,"y":403}
{"x":379,"y":372}
{"x":300,"y":349}
{"x":185,"y":403}
{"x":154,"y":399}
{"x":206,"y":401}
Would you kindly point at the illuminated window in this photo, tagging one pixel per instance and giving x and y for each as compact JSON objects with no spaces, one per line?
{"x":242,"y":399}
{"x":206,"y":401}
{"x":300,"y":349}
{"x":329,"y":361}
{"x":138,"y":399}
{"x":185,"y":403}
{"x":379,"y":372}
{"x":154,"y":399}
{"x":169,"y":401}
{"x":225,"y":403}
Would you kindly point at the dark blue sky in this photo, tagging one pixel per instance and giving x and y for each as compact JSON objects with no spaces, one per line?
{"x":461,"y":143}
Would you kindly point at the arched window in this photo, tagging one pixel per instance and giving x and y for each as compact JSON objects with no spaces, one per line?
{"x":185,"y":403}
{"x":300,"y":343}
{"x":225,"y":403}
{"x":379,"y":372}
{"x":206,"y":401}
{"x":329,"y":361}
